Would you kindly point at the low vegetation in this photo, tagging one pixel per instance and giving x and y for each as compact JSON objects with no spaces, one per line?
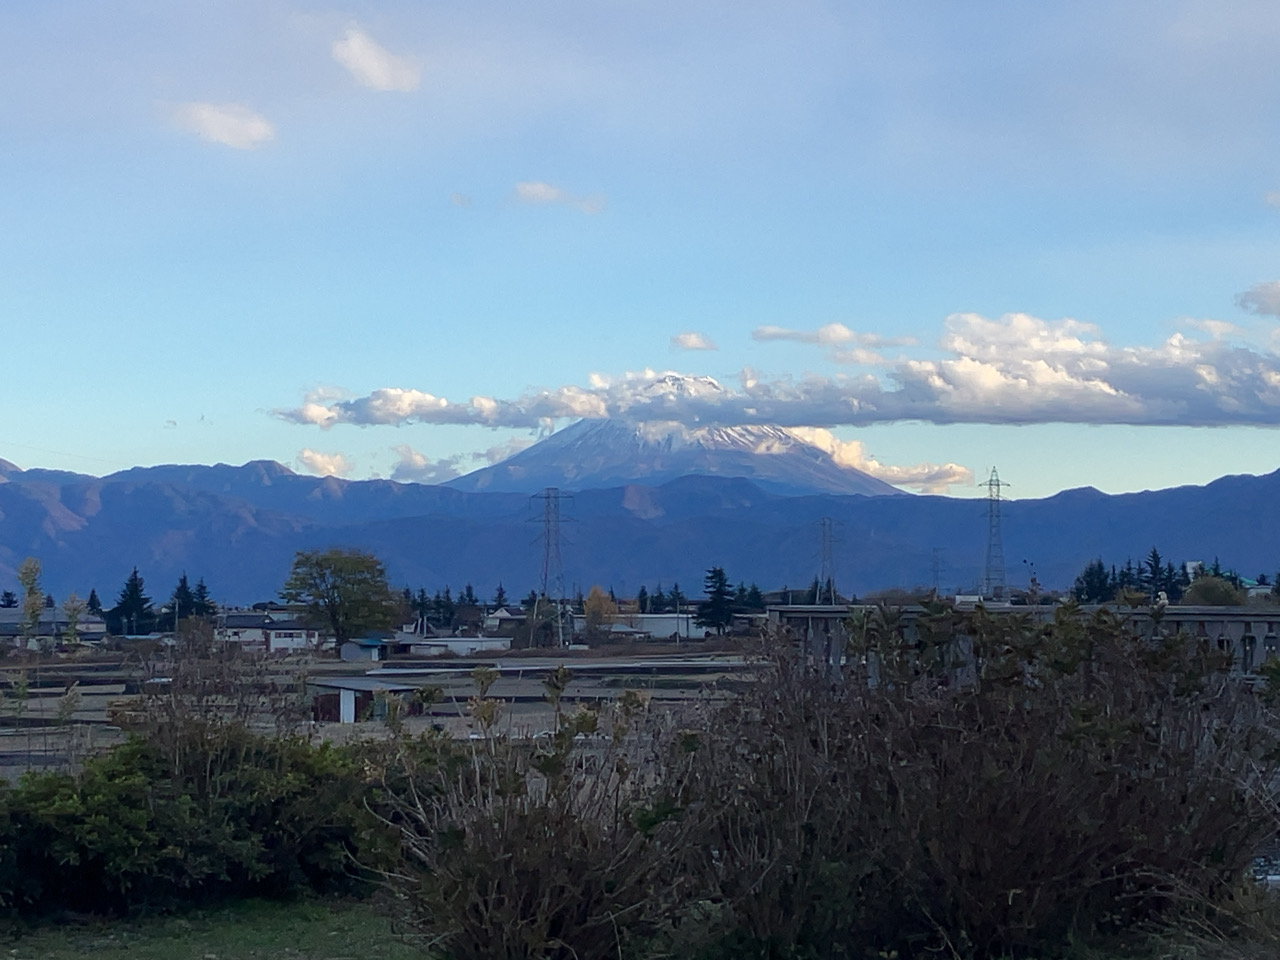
{"x":991,"y":787}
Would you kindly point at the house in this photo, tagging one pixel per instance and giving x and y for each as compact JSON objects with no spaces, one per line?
{"x":51,"y":627}
{"x":263,"y":632}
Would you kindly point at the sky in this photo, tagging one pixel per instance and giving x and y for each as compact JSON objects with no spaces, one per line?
{"x":406,"y":239}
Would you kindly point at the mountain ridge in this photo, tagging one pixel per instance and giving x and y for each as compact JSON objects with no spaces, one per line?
{"x":239,"y":533}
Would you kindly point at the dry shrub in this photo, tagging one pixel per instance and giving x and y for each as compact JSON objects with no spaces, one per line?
{"x":992,"y":787}
{"x":560,"y":846}
{"x":972,"y":787}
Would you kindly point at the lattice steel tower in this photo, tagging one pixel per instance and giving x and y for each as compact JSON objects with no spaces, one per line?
{"x":552,"y":566}
{"x":827,"y":574}
{"x":993,"y":584}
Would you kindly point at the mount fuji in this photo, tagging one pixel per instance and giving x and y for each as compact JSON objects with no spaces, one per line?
{"x":593,"y":454}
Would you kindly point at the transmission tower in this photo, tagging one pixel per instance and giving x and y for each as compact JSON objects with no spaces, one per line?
{"x":552,"y":582}
{"x":935,"y":569}
{"x":827,"y":573}
{"x":993,"y":583}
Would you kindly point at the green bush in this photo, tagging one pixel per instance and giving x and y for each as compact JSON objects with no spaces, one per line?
{"x":232,"y":813}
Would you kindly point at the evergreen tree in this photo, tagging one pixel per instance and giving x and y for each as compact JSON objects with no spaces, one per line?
{"x":755,"y":599}
{"x":1128,"y":578}
{"x":676,"y":599}
{"x":642,"y":599}
{"x":531,"y":600}
{"x":717,"y":610}
{"x":133,"y":612}
{"x":94,"y":605}
{"x":8,"y":600}
{"x":500,"y":596}
{"x":444,"y":608}
{"x":202,"y":604}
{"x":468,"y":598}
{"x":658,"y":603}
{"x":740,"y":597}
{"x":422,"y":604}
{"x":1152,"y":573}
{"x":182,"y":599}
{"x":1093,"y":585}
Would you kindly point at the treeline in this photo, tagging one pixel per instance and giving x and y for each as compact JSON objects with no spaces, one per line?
{"x":1154,"y":576}
{"x":134,"y":611}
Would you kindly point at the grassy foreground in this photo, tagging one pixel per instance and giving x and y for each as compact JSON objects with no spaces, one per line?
{"x":303,"y":930}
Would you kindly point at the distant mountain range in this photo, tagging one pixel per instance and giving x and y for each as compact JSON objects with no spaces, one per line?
{"x":238,"y":527}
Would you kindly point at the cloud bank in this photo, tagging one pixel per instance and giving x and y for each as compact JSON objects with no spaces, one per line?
{"x":324,"y":464}
{"x":415,"y":467}
{"x":925,"y":477}
{"x":372,"y":65}
{"x":230,"y":124}
{"x":1017,"y":369}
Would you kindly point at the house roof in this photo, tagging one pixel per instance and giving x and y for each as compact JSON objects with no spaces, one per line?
{"x":52,"y":620}
{"x":362,"y":684}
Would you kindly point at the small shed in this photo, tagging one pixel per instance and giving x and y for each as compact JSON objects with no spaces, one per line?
{"x":345,"y":698}
{"x":363,"y":649}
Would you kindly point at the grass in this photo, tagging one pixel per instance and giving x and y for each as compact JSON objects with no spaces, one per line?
{"x":301,"y":930}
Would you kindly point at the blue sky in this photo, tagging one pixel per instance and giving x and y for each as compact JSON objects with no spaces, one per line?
{"x":1039,"y":236}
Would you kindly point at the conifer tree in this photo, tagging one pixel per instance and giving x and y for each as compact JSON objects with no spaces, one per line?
{"x":202,"y":604}
{"x":717,"y":610}
{"x":133,"y":612}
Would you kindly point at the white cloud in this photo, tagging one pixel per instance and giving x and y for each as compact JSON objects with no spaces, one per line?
{"x":500,"y":452}
{"x":538,"y":193}
{"x":1015,"y":369}
{"x":1262,"y":299}
{"x":925,"y":477}
{"x":414,"y":467}
{"x":829,"y":335}
{"x":324,"y":464}
{"x":372,"y":65}
{"x":231,"y":124}
{"x":692,"y":341}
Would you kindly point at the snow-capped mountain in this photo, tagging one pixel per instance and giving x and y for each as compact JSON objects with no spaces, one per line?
{"x":592,"y":454}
